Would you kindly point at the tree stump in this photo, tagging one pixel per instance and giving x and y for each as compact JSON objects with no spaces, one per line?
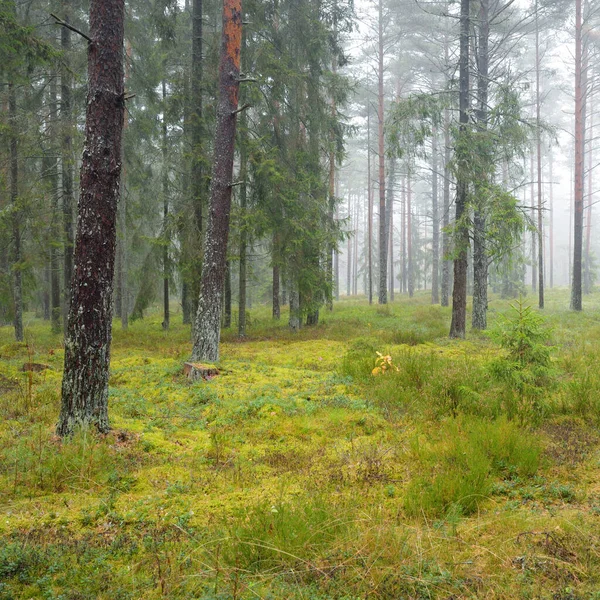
{"x":195,"y":371}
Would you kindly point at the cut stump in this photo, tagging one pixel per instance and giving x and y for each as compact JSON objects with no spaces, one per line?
{"x":195,"y":371}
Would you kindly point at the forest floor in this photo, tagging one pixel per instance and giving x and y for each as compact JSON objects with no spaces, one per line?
{"x":298,"y":474}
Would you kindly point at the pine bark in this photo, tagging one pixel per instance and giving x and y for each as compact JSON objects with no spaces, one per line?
{"x":445,"y":299}
{"x":198,"y":187}
{"x":88,"y":339}
{"x":459,"y":292}
{"x":207,"y":330}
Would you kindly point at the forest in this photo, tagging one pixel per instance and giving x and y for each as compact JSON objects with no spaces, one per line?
{"x":299,"y":299}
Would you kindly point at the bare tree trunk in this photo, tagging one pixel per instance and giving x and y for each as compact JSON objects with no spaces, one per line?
{"x":551,"y":232}
{"x":165,"y":190}
{"x":55,"y":310}
{"x":409,"y":236}
{"x":67,"y":163}
{"x":539,"y":164}
{"x":576,"y":300}
{"x":480,"y":258}
{"x":88,"y":339}
{"x":198,"y":185}
{"x":369,"y":210}
{"x":227,"y":296}
{"x":459,"y":293}
{"x":534,"y":257}
{"x":383,"y":246}
{"x":590,"y":203}
{"x":403,"y":238}
{"x":17,"y":215}
{"x":445,"y":300}
{"x":349,"y":254}
{"x":207,"y":330}
{"x":435,"y":217}
{"x":390,"y":202}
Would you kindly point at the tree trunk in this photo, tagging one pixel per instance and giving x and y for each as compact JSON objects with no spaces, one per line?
{"x":67,"y":163}
{"x":207,"y":330}
{"x":165,"y":191}
{"x":276,"y":305}
{"x":87,"y":343}
{"x":445,"y":300}
{"x":576,"y":303}
{"x":390,"y":202}
{"x":227,"y":296}
{"x":198,"y":186}
{"x":534,"y":258}
{"x":349,"y":252}
{"x":383,"y":245}
{"x":540,"y":219}
{"x":369,"y":211}
{"x":409,"y":238}
{"x":403,"y":240}
{"x":435,"y":217}
{"x":55,"y":310}
{"x":590,"y":197}
{"x":16,"y":215}
{"x":551,"y":228}
{"x":459,"y":293}
{"x":480,"y":258}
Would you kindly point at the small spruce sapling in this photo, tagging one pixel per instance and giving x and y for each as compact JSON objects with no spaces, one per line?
{"x":526,"y":364}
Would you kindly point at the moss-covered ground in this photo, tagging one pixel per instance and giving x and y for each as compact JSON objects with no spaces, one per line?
{"x":298,"y":474}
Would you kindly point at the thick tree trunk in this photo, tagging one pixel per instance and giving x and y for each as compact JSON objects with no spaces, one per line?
{"x":435,"y":218}
{"x":88,"y":339}
{"x":576,"y":300}
{"x":459,"y":293}
{"x":67,"y":163}
{"x":16,"y":214}
{"x":198,"y":185}
{"x":207,"y":328}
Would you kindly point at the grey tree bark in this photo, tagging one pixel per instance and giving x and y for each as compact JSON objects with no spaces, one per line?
{"x":87,"y":343}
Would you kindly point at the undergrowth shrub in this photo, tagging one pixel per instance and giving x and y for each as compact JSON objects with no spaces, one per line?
{"x":457,"y":471}
{"x":525,"y":369}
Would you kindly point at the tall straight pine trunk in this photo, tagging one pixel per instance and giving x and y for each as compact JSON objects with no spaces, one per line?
{"x":207,"y":327}
{"x":576,"y":301}
{"x":88,"y":338}
{"x":459,"y":292}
